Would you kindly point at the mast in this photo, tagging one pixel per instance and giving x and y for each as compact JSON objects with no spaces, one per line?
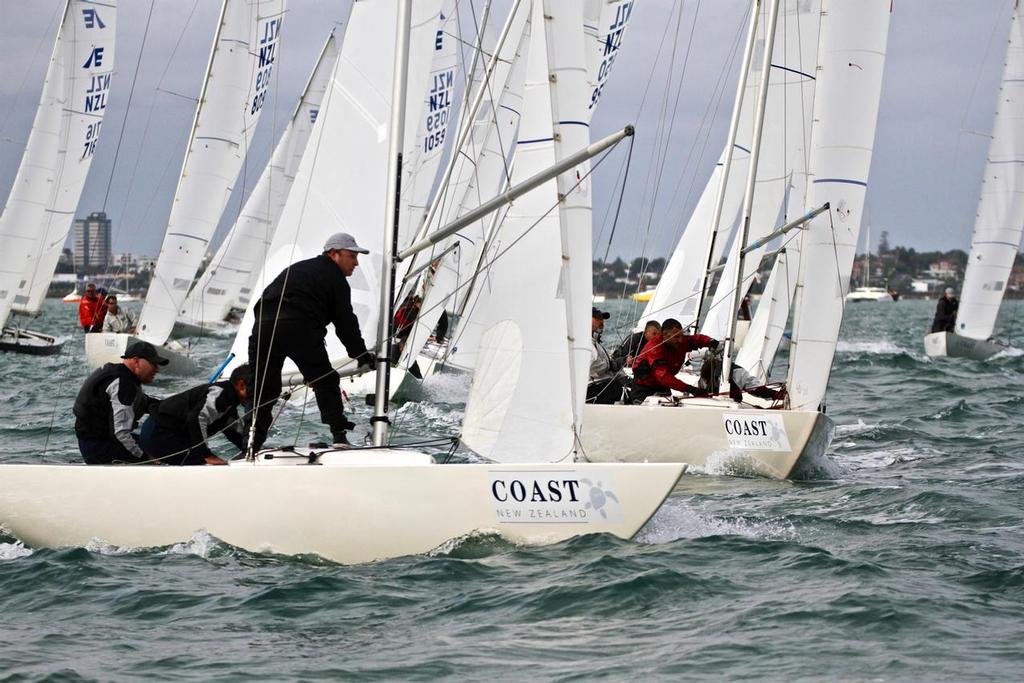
{"x":748,"y":197}
{"x":730,"y":144}
{"x":396,"y":142}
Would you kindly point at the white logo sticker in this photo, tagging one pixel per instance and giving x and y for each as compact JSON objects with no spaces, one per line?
{"x":758,"y":431}
{"x":563,"y":497}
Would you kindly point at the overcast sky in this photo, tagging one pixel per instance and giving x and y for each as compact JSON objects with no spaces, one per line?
{"x":938,"y":96}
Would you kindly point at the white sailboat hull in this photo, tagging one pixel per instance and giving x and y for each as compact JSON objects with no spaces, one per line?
{"x":352,"y":507}
{"x":706,"y":433}
{"x":948,"y":344}
{"x":108,"y":347}
{"x":872,"y":294}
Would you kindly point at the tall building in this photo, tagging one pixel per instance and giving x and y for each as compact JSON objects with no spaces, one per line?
{"x":92,"y":242}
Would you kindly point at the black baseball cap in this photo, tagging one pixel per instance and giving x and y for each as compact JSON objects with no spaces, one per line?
{"x":146,"y":351}
{"x":597,"y":313}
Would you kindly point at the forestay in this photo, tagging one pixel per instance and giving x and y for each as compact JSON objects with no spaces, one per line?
{"x":530,"y":379}
{"x":66,"y":129}
{"x":227,"y":282}
{"x":341,"y":184}
{"x":852,"y":56}
{"x":1000,"y":218}
{"x":235,"y":88}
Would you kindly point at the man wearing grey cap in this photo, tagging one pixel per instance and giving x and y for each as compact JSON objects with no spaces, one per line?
{"x":291,"y":322}
{"x":945,"y":312}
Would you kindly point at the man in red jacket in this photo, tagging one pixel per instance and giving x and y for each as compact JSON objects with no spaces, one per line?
{"x":655,"y":369}
{"x":87,"y":307}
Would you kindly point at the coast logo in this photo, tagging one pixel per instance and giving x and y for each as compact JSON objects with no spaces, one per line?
{"x":563,"y":497}
{"x":761,"y":431}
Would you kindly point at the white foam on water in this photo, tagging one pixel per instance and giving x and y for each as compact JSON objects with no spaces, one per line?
{"x":1008,"y":352}
{"x":678,"y":519}
{"x":12,"y":551}
{"x":99,"y":547}
{"x":859,"y":428}
{"x":879,"y":459}
{"x":884,"y":347}
{"x":447,"y":387}
{"x":199,"y":545}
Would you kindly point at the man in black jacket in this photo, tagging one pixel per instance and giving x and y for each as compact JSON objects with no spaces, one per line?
{"x":111,"y":402}
{"x":945,"y":312}
{"x":177,"y":431}
{"x":291,"y":322}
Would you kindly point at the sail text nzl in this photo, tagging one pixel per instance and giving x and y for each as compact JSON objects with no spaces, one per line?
{"x":96,"y":95}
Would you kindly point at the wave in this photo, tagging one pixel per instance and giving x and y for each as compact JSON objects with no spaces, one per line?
{"x":678,"y":519}
{"x":12,"y":551}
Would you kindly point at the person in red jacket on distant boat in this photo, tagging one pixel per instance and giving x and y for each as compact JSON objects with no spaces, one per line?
{"x":87,"y":307}
{"x":655,"y":369}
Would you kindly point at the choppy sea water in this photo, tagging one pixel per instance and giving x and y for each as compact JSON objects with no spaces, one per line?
{"x":901,"y":557}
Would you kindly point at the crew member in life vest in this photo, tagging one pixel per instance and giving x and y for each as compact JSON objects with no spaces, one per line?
{"x":178,"y":430}
{"x":111,"y":403}
{"x":655,"y":369}
{"x":87,"y":308}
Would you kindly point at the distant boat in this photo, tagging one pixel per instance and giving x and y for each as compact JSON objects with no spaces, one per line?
{"x":645,"y":295}
{"x":599,"y":298}
{"x":66,"y":129}
{"x":73,"y":297}
{"x":999,"y":221}
{"x":876,"y":294}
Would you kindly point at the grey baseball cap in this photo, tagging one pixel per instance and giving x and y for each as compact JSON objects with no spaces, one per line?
{"x":343,"y":240}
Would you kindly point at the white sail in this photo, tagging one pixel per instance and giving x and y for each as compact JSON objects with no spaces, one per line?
{"x":678,"y":292}
{"x":331,"y":193}
{"x":237,"y":80}
{"x":604,"y":25}
{"x":1000,"y":218}
{"x":784,"y":144}
{"x":227,"y":282}
{"x":478,"y":170}
{"x":852,"y":57}
{"x":531,"y":373}
{"x":39,"y":211}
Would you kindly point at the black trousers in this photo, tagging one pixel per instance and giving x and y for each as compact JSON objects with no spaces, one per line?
{"x":605,"y":391}
{"x":104,"y":451}
{"x":170,"y":447}
{"x":303,"y":342}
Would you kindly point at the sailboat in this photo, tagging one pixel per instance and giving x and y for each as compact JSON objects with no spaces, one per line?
{"x":235,"y":87}
{"x":356,"y":505}
{"x":866,"y":292}
{"x":39,"y":211}
{"x":751,"y":436}
{"x":999,"y":222}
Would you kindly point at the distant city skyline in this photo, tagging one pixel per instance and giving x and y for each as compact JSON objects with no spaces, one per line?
{"x":939,"y":92}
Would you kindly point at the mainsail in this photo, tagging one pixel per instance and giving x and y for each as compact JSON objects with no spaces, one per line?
{"x":1000,"y":218}
{"x":60,"y":149}
{"x":852,"y":57}
{"x":227,"y":282}
{"x":235,"y":88}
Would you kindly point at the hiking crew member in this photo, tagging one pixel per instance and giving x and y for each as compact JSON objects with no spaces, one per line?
{"x":100,"y":313}
{"x":291,"y":322}
{"x":110,"y":404}
{"x":177,"y":431}
{"x":632,"y":345}
{"x":87,"y":308}
{"x":117,"y":318}
{"x":654,"y":371}
{"x":605,"y":385}
{"x":945,"y":312}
